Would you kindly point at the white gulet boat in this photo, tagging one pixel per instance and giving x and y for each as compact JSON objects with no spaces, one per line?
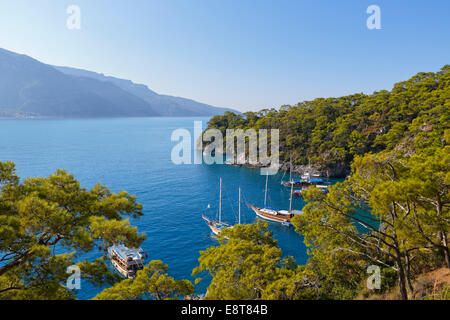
{"x":282,"y":216}
{"x":126,"y":260}
{"x":218,"y":226}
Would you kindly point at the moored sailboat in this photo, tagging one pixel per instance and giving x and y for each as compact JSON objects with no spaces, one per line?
{"x":282,"y":216}
{"x":218,"y":226}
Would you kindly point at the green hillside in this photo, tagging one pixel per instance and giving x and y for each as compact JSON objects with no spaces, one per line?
{"x":329,"y":132}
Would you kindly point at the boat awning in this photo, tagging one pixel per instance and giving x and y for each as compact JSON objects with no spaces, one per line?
{"x":125,"y":252}
{"x":296,"y":212}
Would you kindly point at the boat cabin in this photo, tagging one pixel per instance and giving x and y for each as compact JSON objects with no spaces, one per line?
{"x":126,"y":260}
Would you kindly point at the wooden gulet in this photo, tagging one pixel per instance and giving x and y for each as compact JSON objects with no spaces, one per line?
{"x":282,"y":216}
{"x":218,"y":226}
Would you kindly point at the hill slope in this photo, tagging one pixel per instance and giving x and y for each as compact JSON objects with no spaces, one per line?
{"x":327,"y":133}
{"x":164,"y":105}
{"x":31,"y":88}
{"x":28,"y":86}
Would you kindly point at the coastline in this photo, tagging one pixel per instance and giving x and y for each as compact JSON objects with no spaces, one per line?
{"x":337,"y":172}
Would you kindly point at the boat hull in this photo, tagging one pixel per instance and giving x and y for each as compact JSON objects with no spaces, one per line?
{"x":215,"y":226}
{"x":270,"y":217}
{"x":217,"y":230}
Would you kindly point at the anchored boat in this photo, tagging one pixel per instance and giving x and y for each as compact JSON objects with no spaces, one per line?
{"x":218,"y":226}
{"x":128,"y":261}
{"x":298,"y":192}
{"x":323,"y":188}
{"x":306,"y":179}
{"x":282,"y":216}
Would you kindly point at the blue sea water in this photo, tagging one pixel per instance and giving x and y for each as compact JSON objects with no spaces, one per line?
{"x":134,"y":154}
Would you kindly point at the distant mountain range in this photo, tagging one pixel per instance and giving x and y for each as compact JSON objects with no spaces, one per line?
{"x":30,"y":88}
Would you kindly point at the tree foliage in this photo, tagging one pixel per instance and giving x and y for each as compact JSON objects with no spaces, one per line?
{"x":248,"y":265}
{"x":392,"y":212}
{"x":46,"y":223}
{"x":152,"y":282}
{"x":330,"y":132}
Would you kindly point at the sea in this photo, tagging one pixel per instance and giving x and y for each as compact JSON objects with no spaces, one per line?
{"x":134,"y":154}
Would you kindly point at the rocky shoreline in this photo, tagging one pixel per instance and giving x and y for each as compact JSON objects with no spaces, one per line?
{"x":336,"y":172}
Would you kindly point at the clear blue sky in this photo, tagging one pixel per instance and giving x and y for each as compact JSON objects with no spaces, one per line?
{"x":244,"y":54}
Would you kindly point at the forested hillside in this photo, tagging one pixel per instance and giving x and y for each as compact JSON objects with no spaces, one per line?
{"x":391,"y":214}
{"x":329,"y":132}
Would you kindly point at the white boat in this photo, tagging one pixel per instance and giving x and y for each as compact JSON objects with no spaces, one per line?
{"x":127,"y":261}
{"x":218,"y":226}
{"x":298,"y":192}
{"x":307,"y":179}
{"x":282,"y":216}
{"x":323,"y":188}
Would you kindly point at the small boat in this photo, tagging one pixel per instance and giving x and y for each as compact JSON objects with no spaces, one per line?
{"x":298,"y":192}
{"x":305,"y":181}
{"x":293,"y":183}
{"x":127,"y":261}
{"x":323,"y":188}
{"x":218,"y":226}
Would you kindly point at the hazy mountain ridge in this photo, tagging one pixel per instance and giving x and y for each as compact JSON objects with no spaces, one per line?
{"x":164,"y":105}
{"x":29,"y":88}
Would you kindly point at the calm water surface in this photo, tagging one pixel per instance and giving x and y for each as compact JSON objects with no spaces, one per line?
{"x":134,"y":155}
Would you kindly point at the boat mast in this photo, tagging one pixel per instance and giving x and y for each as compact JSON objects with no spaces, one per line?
{"x":290,"y":169}
{"x":220,"y":201}
{"x":292,"y":183}
{"x":239,"y":205}
{"x":265,"y":194}
{"x":290,"y":199}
